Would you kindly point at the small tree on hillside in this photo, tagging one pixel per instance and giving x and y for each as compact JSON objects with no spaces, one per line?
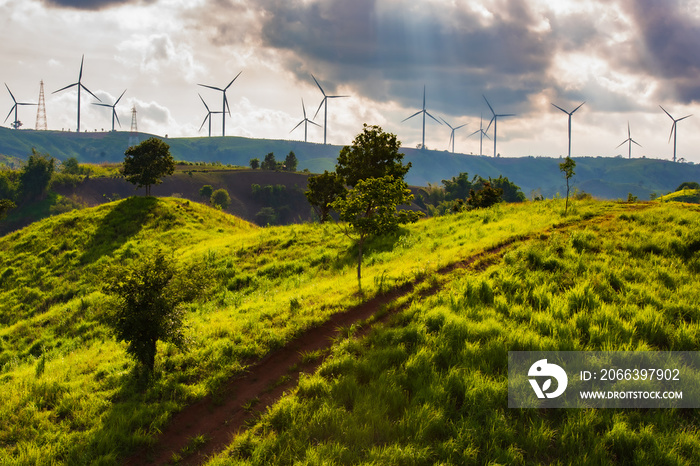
{"x":484,"y":197}
{"x":567,"y":167}
{"x":35,"y":176}
{"x":290,"y":162}
{"x":269,"y":163}
{"x":373,"y":154}
{"x":6,"y":205}
{"x":146,"y":163}
{"x":322,"y":191}
{"x":150,"y":293}
{"x":370,"y":209}
{"x":206,"y":191}
{"x":71,"y":166}
{"x":221,"y":198}
{"x":255,"y":163}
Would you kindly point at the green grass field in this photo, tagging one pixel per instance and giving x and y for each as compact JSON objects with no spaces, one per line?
{"x":426,"y":388}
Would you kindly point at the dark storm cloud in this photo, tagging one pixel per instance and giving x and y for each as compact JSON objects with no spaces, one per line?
{"x":90,"y":4}
{"x":671,"y":36}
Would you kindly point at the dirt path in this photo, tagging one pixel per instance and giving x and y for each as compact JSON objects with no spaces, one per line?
{"x":244,"y":397}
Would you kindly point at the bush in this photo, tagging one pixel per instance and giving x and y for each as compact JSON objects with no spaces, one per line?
{"x":220,"y":198}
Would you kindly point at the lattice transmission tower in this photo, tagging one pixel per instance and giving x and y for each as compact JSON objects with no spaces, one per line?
{"x":134,"y":135}
{"x":41,"y":110}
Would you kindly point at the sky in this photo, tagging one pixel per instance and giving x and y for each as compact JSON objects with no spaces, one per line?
{"x":624,"y":58}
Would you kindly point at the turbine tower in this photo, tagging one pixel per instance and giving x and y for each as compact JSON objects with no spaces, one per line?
{"x":41,"y":111}
{"x":15,"y":124}
{"x":570,"y":115}
{"x":224,"y":104}
{"x":494,"y":120}
{"x":80,"y":85}
{"x":208,"y":117}
{"x":452,"y":134}
{"x":306,"y":121}
{"x":629,"y":140}
{"x":482,"y":133}
{"x":114,"y":110}
{"x":324,"y":104}
{"x":424,"y":112}
{"x":674,"y":130}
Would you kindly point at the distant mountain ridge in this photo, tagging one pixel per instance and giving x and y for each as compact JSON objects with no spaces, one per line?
{"x":604,"y":177}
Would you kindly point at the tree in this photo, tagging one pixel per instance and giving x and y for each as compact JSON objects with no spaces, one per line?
{"x":35,"y":176}
{"x":290,"y":162}
{"x":6,"y":205}
{"x":322,"y":191}
{"x":688,"y":185}
{"x":567,"y":167}
{"x":269,"y":163}
{"x":221,"y":199}
{"x":206,"y":191}
{"x":458,"y":187}
{"x":511,"y":191}
{"x":485,"y":197}
{"x":373,"y":154}
{"x":370,"y":209}
{"x":150,"y":293}
{"x":71,"y":166}
{"x":255,"y":163}
{"x":146,"y":163}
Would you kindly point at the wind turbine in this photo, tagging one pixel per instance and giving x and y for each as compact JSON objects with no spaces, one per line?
{"x":482,"y":133}
{"x":674,"y":130}
{"x":570,"y":115}
{"x":15,"y":124}
{"x":324,"y":103}
{"x":629,"y":140}
{"x":114,"y":110}
{"x":494,"y":120}
{"x":80,"y":85}
{"x":306,"y":121}
{"x":424,"y":112}
{"x":452,"y":134}
{"x":208,"y":117}
{"x":224,"y":104}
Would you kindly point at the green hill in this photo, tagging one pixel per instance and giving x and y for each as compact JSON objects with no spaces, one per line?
{"x":691,"y":196}
{"x":603,"y":177}
{"x":427,"y":386}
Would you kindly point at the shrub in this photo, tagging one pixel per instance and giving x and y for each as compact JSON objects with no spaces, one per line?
{"x":221,"y":199}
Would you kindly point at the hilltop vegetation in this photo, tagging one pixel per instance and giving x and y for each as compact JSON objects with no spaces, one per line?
{"x":68,"y":392}
{"x":603,"y":177}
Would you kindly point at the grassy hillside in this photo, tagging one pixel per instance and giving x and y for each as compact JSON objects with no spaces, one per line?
{"x":431,"y":386}
{"x":691,"y":196}
{"x":68,"y":394}
{"x":604,"y":177}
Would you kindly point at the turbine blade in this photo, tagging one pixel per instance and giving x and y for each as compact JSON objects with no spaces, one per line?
{"x":673,"y":128}
{"x":116,"y":116}
{"x":460,"y":126}
{"x":205,"y":120}
{"x":475,"y":132}
{"x":102,"y":105}
{"x":623,"y":142}
{"x":90,"y":92}
{"x":229,"y":84}
{"x":487,"y":103}
{"x":487,"y":136}
{"x":629,"y":132}
{"x":228,"y":107}
{"x":490,"y":122}
{"x":320,"y":105}
{"x":24,"y":103}
{"x":417,"y":113}
{"x":64,"y":88}
{"x":426,"y":112}
{"x":319,"y":86}
{"x":336,"y":96}
{"x":574,"y":110}
{"x":120,"y":98}
{"x":557,"y":106}
{"x":507,"y":115}
{"x":303,"y":107}
{"x":316,"y":124}
{"x":211,"y":87}
{"x":80,"y":76}
{"x":687,"y":116}
{"x":205,"y":104}
{"x":11,"y":95}
{"x":669,"y":115}
{"x":636,"y":142}
{"x":448,"y":125}
{"x":298,"y":125}
{"x":11,"y":110}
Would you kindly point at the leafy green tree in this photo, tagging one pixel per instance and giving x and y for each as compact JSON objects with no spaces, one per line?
{"x":567,"y":168}
{"x":370,"y":209}
{"x":290,"y":162}
{"x":206,"y":191}
{"x":322,"y":191}
{"x":510,"y":191}
{"x":35,"y":176}
{"x":255,"y":163}
{"x":71,"y":166}
{"x":150,"y":293}
{"x":458,"y":187}
{"x":220,"y":198}
{"x":146,"y":163}
{"x":373,"y":154}
{"x":688,"y":185}
{"x":8,"y":184}
{"x":6,"y":205}
{"x":269,"y":163}
{"x":484,"y":197}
